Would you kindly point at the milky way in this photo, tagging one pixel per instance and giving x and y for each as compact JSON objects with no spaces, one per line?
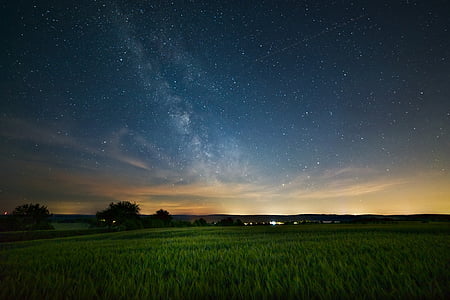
{"x":245,"y":108}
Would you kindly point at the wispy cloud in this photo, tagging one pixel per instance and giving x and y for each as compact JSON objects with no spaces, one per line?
{"x":224,"y":187}
{"x":322,"y":193}
{"x":25,"y":130}
{"x":55,"y":136}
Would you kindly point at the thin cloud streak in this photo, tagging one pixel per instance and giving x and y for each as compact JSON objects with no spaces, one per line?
{"x":248,"y":194}
{"x":185,"y":190}
{"x":23,"y":130}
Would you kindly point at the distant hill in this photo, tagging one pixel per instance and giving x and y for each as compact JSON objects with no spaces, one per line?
{"x":284,"y":218}
{"x":317,"y":218}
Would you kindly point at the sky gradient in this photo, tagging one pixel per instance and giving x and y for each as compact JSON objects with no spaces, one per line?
{"x":266,"y":107}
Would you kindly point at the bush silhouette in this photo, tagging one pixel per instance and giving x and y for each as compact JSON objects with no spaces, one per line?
{"x":31,"y":217}
{"x":200,"y":222}
{"x":120,"y":215}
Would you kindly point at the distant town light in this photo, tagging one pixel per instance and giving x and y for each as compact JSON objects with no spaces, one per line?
{"x":276,"y":223}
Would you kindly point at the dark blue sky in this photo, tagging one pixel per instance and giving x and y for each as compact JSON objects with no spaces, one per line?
{"x":226,"y":107}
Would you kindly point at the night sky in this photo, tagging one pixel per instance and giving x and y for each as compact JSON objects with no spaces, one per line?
{"x":239,"y":107}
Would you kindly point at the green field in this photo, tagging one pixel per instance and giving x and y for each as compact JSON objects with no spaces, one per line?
{"x":70,"y":226}
{"x":406,"y":261}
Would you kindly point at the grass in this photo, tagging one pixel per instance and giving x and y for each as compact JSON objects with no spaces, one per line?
{"x":14,"y":236}
{"x":70,"y":226}
{"x":396,"y":261}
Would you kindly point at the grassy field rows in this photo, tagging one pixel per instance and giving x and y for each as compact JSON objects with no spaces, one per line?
{"x":311,"y":261}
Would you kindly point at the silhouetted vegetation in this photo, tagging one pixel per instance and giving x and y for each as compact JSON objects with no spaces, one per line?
{"x":8,"y":223}
{"x":226,"y":222}
{"x":200,"y":222}
{"x":230,"y":222}
{"x":122,"y":215}
{"x":27,"y":217}
{"x":163,"y":215}
{"x":161,"y":218}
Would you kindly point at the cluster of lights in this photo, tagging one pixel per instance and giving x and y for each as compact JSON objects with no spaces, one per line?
{"x":264,"y":223}
{"x":273,"y":223}
{"x":276,"y":223}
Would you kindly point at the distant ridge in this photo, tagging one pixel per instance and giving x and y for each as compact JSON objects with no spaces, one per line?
{"x":317,"y":218}
{"x":290,"y":218}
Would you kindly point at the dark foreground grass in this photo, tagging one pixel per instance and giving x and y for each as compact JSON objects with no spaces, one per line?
{"x":395,"y":261}
{"x":14,"y":236}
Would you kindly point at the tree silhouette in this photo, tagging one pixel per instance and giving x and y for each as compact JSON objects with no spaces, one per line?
{"x":121,"y":215}
{"x":200,"y":222}
{"x":226,"y":222}
{"x":160,"y":218}
{"x":32,"y":216}
{"x":230,"y":222}
{"x":163,"y":215}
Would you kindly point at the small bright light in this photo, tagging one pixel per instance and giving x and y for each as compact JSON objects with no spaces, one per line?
{"x":273,"y":223}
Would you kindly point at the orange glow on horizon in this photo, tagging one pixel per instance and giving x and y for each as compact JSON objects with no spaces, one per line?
{"x":406,"y":195}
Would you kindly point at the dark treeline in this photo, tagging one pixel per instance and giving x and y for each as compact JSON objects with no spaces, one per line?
{"x":125,"y":215}
{"x":26,"y":217}
{"x":122,"y":215}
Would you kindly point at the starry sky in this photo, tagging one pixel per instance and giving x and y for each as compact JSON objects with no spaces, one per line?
{"x":238,"y":107}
